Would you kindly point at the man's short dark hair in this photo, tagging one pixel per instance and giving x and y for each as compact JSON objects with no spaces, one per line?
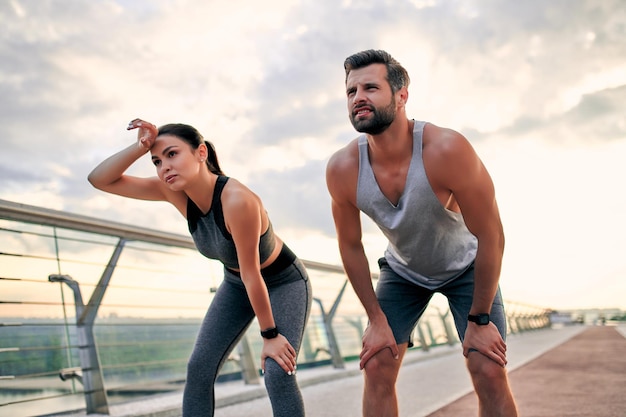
{"x":397,"y":76}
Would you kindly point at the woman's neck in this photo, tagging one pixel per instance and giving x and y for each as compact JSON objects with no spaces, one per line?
{"x":201,"y":191}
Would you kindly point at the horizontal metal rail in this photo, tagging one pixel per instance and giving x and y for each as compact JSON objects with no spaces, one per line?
{"x":37,"y":215}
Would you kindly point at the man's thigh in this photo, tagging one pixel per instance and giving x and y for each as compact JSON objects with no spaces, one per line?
{"x":460,"y":295}
{"x":402,"y":302}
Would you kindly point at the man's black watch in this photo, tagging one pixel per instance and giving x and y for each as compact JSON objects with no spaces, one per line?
{"x":269,"y":333}
{"x":480,"y":319}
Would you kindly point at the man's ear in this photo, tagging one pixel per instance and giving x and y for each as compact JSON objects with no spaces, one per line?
{"x":404,"y":95}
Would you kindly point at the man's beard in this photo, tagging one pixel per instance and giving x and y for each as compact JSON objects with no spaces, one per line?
{"x":381,"y":119}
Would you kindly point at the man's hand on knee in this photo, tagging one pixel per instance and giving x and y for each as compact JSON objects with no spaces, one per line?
{"x":486,"y":340}
{"x":375,"y":339}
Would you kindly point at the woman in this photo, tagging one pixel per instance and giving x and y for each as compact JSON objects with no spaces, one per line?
{"x":227,"y":221}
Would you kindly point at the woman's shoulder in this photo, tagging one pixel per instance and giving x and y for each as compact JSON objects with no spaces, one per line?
{"x":236,"y":193}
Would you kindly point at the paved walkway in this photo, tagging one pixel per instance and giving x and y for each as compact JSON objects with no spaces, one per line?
{"x":586,"y":376}
{"x":572,"y":371}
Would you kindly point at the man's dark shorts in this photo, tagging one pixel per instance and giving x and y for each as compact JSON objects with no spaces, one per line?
{"x":404,"y":302}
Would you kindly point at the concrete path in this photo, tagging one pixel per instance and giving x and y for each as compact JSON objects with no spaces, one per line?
{"x":571,"y":371}
{"x":584,"y":377}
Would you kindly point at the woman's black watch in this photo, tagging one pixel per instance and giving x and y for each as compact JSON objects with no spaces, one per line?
{"x":480,"y":319}
{"x":269,"y":333}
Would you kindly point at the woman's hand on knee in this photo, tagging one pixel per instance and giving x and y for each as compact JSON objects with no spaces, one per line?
{"x":281,"y":351}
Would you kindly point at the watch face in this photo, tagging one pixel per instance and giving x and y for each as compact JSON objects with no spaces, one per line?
{"x":269,"y":333}
{"x":480,"y":319}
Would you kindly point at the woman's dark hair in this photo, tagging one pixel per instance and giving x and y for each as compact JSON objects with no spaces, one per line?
{"x":397,"y":76}
{"x":191,"y":135}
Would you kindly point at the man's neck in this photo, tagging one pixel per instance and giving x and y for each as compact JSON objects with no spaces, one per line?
{"x":394,"y":143}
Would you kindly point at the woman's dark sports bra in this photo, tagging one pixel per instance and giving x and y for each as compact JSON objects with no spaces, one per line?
{"x":211,"y":237}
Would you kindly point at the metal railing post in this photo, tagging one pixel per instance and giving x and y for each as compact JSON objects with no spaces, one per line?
{"x":91,"y":374}
{"x":327,"y":318}
{"x":358,"y":325}
{"x":433,"y":339}
{"x":246,"y":362}
{"x":446,"y":326}
{"x":423,"y":343}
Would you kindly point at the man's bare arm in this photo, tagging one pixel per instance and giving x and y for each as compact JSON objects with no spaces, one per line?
{"x":458,"y":168}
{"x":341,"y":182}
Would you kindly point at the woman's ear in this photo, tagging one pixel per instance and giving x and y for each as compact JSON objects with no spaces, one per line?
{"x":202,"y":152}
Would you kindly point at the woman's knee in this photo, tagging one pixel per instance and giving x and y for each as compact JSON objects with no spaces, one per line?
{"x":283,"y":391}
{"x":275,"y":375}
{"x":279,"y":384}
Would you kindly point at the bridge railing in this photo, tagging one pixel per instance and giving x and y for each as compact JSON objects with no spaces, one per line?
{"x":94,"y":312}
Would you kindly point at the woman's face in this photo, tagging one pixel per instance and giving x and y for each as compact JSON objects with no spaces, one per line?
{"x":177,"y":164}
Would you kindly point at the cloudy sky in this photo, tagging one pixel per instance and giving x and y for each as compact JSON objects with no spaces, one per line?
{"x":538,"y":87}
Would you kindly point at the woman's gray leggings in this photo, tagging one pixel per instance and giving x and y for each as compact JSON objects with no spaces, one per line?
{"x":227,"y":319}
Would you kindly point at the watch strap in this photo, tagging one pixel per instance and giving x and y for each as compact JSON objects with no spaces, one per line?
{"x":269,"y":333}
{"x":481,"y":319}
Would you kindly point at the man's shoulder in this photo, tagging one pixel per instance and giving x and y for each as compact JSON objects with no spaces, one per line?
{"x":433,"y":130}
{"x":345,"y":157}
{"x":342,"y":171}
{"x":442,"y":138}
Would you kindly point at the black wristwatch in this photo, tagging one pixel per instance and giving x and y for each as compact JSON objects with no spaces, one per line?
{"x":480,"y":319}
{"x":269,"y":333}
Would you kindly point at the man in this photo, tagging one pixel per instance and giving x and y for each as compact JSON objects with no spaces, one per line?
{"x":431,"y":196}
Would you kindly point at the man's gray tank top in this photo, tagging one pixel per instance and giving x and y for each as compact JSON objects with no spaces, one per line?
{"x":428,"y":244}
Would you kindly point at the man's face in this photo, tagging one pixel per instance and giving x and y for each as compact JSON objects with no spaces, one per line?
{"x":371,"y":104}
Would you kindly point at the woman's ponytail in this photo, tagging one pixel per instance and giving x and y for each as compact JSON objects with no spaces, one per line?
{"x":211,"y":160}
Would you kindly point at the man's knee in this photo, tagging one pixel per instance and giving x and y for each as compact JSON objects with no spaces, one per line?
{"x":382,"y":367}
{"x":484,"y":370}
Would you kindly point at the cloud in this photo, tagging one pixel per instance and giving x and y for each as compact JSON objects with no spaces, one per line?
{"x":597,"y":117}
{"x":297,"y":198}
{"x":264,"y":81}
{"x":17,"y":179}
